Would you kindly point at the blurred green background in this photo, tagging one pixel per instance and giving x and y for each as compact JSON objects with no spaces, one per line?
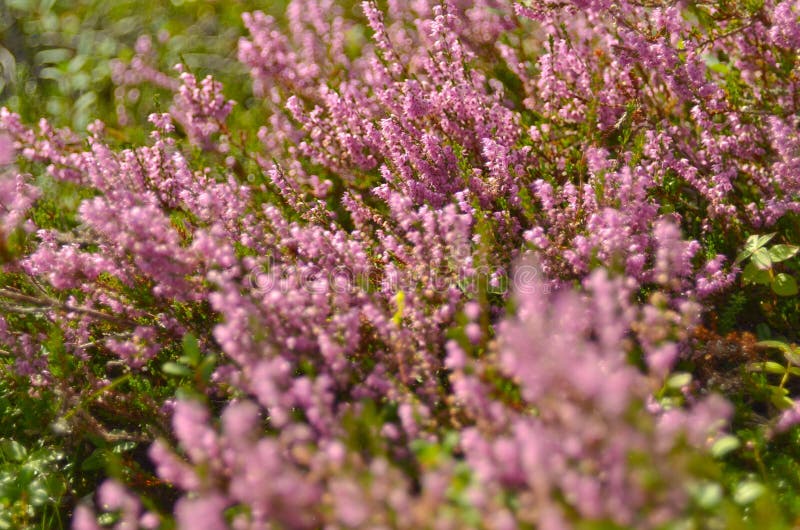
{"x":56,"y":56}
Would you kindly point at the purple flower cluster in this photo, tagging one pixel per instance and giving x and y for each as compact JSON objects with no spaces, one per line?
{"x":355,"y":283}
{"x":567,"y":354}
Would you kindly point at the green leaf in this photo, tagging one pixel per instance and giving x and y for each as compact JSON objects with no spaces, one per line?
{"x":743,"y":255}
{"x":38,"y":495}
{"x":679,"y":380}
{"x":752,"y":274}
{"x":123,"y":447}
{"x":769,"y":367}
{"x":707,"y":495}
{"x":782,"y":252}
{"x":784,"y":285}
{"x":775,"y":344}
{"x":108,"y":518}
{"x":207,"y":367}
{"x":793,"y":357}
{"x":780,"y":397}
{"x":716,"y":66}
{"x":761,"y":259}
{"x":777,"y":390}
{"x":400,"y":301}
{"x":96,"y":460}
{"x":760,"y":241}
{"x":725,"y":445}
{"x":752,"y":244}
{"x":176,"y":369}
{"x":13,"y":450}
{"x":782,"y":402}
{"x":191,"y":349}
{"x":748,"y":491}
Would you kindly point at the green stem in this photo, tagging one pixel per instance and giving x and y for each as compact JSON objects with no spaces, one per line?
{"x":785,"y":377}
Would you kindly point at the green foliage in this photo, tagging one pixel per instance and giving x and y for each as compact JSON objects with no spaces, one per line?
{"x":34,"y":470}
{"x":193,"y":368}
{"x":56,"y":56}
{"x":760,"y":260}
{"x":779,"y":394}
{"x":32,"y":486}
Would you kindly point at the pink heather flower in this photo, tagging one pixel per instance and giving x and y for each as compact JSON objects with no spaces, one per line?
{"x":171,"y":468}
{"x":7,"y":150}
{"x":240,"y":419}
{"x":204,"y":512}
{"x":17,"y":197}
{"x":190,"y":423}
{"x":149,"y":521}
{"x":474,"y":333}
{"x":113,"y":496}
{"x":351,"y":509}
{"x":788,"y":419}
{"x":662,"y":359}
{"x":144,"y":44}
{"x":162,"y":122}
{"x":472,"y":310}
{"x":84,"y":519}
{"x":200,"y":107}
{"x":580,"y":401}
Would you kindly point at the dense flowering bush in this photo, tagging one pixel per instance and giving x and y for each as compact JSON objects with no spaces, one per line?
{"x":444,"y":268}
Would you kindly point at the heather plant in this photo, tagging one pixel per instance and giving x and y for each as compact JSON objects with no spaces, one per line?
{"x":437,"y":264}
